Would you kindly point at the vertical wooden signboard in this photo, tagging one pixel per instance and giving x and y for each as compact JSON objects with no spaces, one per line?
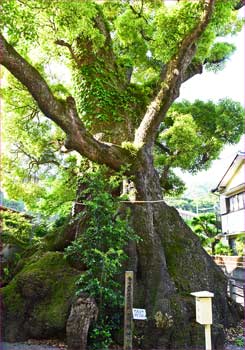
{"x":128,"y":322}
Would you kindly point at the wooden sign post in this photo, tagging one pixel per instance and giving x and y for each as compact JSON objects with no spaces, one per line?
{"x":128,"y":321}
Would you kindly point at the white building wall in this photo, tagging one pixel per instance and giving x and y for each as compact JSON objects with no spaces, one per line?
{"x":233,"y":222}
{"x":237,"y":179}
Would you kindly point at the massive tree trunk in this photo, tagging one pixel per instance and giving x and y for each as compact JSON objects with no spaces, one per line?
{"x":169,"y":263}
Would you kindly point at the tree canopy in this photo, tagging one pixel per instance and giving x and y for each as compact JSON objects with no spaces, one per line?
{"x":126,"y":58}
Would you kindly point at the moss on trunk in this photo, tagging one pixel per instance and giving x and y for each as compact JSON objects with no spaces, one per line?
{"x":37,"y":301}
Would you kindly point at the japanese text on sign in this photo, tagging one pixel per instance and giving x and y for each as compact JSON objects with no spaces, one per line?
{"x":139,"y":314}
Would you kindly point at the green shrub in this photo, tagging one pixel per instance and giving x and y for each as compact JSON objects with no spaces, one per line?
{"x":221,"y":249}
{"x":17,"y":233}
{"x":240,"y":241}
{"x":101,"y":249}
{"x":16,"y":229}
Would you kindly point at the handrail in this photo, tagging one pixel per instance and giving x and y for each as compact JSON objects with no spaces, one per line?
{"x":232,"y":285}
{"x":239,"y":295}
{"x":236,"y":285}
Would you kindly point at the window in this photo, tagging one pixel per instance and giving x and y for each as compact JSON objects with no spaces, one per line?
{"x":241,"y":200}
{"x":235,"y":202}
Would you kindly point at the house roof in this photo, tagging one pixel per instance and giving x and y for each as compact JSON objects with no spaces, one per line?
{"x":237,"y":161}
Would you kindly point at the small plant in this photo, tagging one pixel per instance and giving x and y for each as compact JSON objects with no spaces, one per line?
{"x":239,"y":341}
{"x":163,"y":320}
{"x":131,"y":148}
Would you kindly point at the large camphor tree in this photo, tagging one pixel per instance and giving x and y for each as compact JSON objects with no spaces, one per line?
{"x":125,"y":62}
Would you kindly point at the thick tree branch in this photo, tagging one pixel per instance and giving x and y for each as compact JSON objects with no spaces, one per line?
{"x":172,"y":77}
{"x":63,"y":113}
{"x":30,"y":77}
{"x":192,"y":70}
{"x":65,"y":44}
{"x":164,"y":176}
{"x":239,"y":5}
{"x":164,"y":148}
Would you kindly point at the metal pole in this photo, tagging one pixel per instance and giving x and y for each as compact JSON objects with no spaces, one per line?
{"x":128,"y":321}
{"x":208,"y":337}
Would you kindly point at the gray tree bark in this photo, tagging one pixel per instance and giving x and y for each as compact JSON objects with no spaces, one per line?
{"x":170,"y":263}
{"x":83,"y":312}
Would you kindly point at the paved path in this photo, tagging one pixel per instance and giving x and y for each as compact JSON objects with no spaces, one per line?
{"x":25,"y":346}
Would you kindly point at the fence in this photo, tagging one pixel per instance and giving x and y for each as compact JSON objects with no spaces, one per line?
{"x":236,"y":290}
{"x":234,"y":269}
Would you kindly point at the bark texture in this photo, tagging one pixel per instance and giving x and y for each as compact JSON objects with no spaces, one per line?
{"x":83,"y":312}
{"x":169,"y":263}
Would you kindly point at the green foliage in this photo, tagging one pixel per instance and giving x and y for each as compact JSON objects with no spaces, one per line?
{"x":172,"y":185}
{"x":95,"y":85}
{"x":182,"y":137}
{"x":24,"y":28}
{"x":204,"y":203}
{"x":16,"y":228}
{"x":133,"y":150}
{"x":219,"y":53}
{"x":140,"y":30}
{"x":144,"y":35}
{"x":206,"y":228}
{"x":101,"y":249}
{"x":215,"y":119}
{"x":16,"y":235}
{"x":224,"y":21}
{"x":205,"y":224}
{"x":100,"y":335}
{"x":192,"y":136}
{"x":155,"y":30}
{"x":34,"y":168}
{"x":9,"y":203}
{"x":74,"y":18}
{"x":195,"y":133}
{"x":171,"y":29}
{"x":45,"y":191}
{"x":240,"y":244}
{"x":34,"y":20}
{"x":221,"y":249}
{"x":129,"y":28}
{"x":239,"y":341}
